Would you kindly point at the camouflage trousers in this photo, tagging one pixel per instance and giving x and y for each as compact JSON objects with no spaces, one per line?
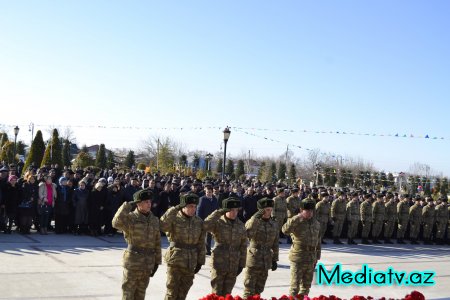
{"x":255,"y":280}
{"x":352,"y":229}
{"x":427,"y":229}
{"x":323,"y":229}
{"x":441,"y":227}
{"x":367,"y":225}
{"x":414,"y":228}
{"x":222,"y":283}
{"x":337,"y":229}
{"x":388,"y":229}
{"x":401,"y":229}
{"x":179,"y":281}
{"x":376,"y":228}
{"x":134,"y":284}
{"x":301,"y":278}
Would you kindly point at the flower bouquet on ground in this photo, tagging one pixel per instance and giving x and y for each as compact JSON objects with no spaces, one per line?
{"x":414,"y":295}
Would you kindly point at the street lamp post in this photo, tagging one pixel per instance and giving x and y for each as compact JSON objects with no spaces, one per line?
{"x":31,"y":129}
{"x":208,"y":156}
{"x":226,"y":136}
{"x":16,"y":132}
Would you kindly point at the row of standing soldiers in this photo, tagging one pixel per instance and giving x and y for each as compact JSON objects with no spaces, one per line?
{"x":253,"y":245}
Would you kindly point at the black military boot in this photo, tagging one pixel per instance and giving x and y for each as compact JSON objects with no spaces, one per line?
{"x":353,"y":242}
{"x":387,"y":241}
{"x":349,"y":242}
{"x":365,"y":242}
{"x":323,"y":242}
{"x":376,"y":241}
{"x":400,"y":241}
{"x":428,"y":242}
{"x":337,"y":241}
{"x":414,"y":242}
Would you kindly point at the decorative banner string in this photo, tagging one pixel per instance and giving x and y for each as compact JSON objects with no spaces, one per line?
{"x":337,"y":132}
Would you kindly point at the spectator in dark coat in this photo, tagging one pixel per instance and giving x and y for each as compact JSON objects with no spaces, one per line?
{"x":249,"y":204}
{"x":96,"y":204}
{"x":30,"y":196}
{"x":114,"y":200}
{"x":130,"y":189}
{"x":63,"y":206}
{"x":80,"y":203}
{"x":206,"y":205}
{"x":11,"y":199}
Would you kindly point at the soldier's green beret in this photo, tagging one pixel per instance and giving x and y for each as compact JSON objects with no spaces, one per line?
{"x":380,"y":195}
{"x":231,"y":203}
{"x":142,"y":195}
{"x":308,"y":204}
{"x":314,"y":195}
{"x":188,"y":198}
{"x":265,"y":202}
{"x":429,"y":199}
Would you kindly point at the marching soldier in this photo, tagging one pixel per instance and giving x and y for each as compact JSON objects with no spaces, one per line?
{"x":415,"y":219}
{"x":379,"y":216}
{"x":403,"y":218}
{"x":352,"y":218}
{"x":262,"y":253}
{"x":338,"y":216}
{"x":293,"y":203}
{"x":229,"y":253}
{"x":323,"y":208}
{"x":143,"y":255}
{"x":442,"y":218}
{"x":366,"y":218}
{"x":305,"y":249}
{"x":279,"y":211}
{"x":391,"y":214}
{"x":186,"y":253}
{"x":428,"y":218}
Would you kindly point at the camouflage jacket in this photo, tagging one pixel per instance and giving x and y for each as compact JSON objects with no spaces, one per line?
{"x":415,"y":214}
{"x":353,"y":210}
{"x":442,"y":213}
{"x":390,"y":211}
{"x":378,"y":211}
{"x":305,"y":239}
{"x":187,"y":239}
{"x":141,"y":232}
{"x":293,"y":206}
{"x":263,"y":248}
{"x":279,"y":209}
{"x":338,"y":209}
{"x":366,"y":211}
{"x":429,"y":214}
{"x":323,"y":211}
{"x":403,"y":211}
{"x":230,"y":237}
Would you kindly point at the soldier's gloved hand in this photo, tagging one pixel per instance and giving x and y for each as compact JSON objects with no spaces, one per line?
{"x":259,"y":214}
{"x":197,"y":268}
{"x":155,"y":268}
{"x":239,"y":271}
{"x":179,"y":207}
{"x":274,"y":265}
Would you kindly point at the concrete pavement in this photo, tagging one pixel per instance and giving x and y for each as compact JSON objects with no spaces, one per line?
{"x":83,"y":267}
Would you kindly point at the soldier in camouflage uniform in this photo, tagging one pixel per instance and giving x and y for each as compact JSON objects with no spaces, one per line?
{"x":442,"y":218}
{"x":352,"y":210}
{"x":143,"y":255}
{"x":428,"y":219}
{"x":293,"y":203}
{"x":402,"y":217}
{"x":262,"y":253}
{"x":279,"y":211}
{"x":366,"y":218}
{"x":229,"y":253}
{"x":391,"y":216}
{"x":378,"y":216}
{"x":338,"y":216}
{"x":305,"y":249}
{"x":186,"y":253}
{"x":323,"y":208}
{"x":415,"y":219}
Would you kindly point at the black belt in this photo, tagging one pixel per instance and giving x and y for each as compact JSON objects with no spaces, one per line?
{"x":227,"y":247}
{"x":140,"y":250}
{"x":260,"y":247}
{"x":182,"y":245}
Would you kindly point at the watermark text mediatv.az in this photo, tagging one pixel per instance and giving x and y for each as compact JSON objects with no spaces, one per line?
{"x":368,"y":276}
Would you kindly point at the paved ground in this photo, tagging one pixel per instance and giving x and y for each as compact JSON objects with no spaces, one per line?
{"x":83,"y":267}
